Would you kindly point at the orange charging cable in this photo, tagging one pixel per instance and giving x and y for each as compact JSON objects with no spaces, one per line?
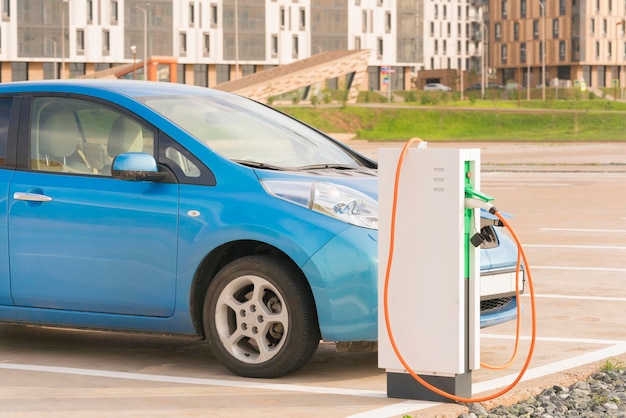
{"x":521,"y":254}
{"x":518,"y":321}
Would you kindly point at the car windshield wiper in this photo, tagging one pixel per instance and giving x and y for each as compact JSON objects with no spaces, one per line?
{"x":256,"y":164}
{"x":327,"y":166}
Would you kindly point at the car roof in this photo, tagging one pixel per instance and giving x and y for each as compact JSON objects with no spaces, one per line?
{"x":131,"y":88}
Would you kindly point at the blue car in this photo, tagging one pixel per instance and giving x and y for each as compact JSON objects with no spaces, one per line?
{"x":158,"y":207}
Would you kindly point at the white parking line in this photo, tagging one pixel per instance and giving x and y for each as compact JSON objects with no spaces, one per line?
{"x":388,"y":411}
{"x":583,"y":230}
{"x":616,"y":269}
{"x":556,"y":339}
{"x":575,"y":297}
{"x":396,"y":409}
{"x":193,"y":380}
{"x":552,"y":368}
{"x":577,"y":247}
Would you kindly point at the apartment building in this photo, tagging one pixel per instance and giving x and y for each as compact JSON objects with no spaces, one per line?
{"x":583,"y":41}
{"x":213,"y":41}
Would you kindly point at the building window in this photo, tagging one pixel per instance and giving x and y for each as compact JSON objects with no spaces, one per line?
{"x":274,"y":46}
{"x":505,"y":8}
{"x":106,"y":42}
{"x":357,"y":42}
{"x":503,"y":54}
{"x":436,"y":46}
{"x":302,"y":18}
{"x":80,"y":41}
{"x":191,"y":15}
{"x":114,"y":12}
{"x":593,"y":27}
{"x":6,"y":8}
{"x":555,"y":28}
{"x":19,"y":71}
{"x":77,"y":69}
{"x":432,"y":28}
{"x":563,"y":7}
{"x":522,"y":52}
{"x":535,"y":29}
{"x":445,"y":47}
{"x":364,"y":21}
{"x":387,"y":22}
{"x":200,"y":75}
{"x":214,"y":17}
{"x":597,"y":50}
{"x":604,"y":27}
{"x":522,"y":8}
{"x":182,"y":43}
{"x":516,"y":31}
{"x":449,"y":29}
{"x":180,"y":73}
{"x":206,"y":45}
{"x":49,"y":70}
{"x":379,"y":47}
{"x":222,"y":73}
{"x":282,"y":18}
{"x":89,"y":11}
{"x":436,"y":11}
{"x":295,"y":47}
{"x":498,"y":31}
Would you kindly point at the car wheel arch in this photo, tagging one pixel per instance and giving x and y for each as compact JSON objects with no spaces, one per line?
{"x":214,"y":261}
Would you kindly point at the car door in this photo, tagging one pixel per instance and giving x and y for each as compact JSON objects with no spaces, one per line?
{"x":79,"y":239}
{"x":6,"y":171}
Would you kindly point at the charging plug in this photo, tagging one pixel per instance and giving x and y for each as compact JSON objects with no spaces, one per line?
{"x":478,"y":239}
{"x":474,"y":203}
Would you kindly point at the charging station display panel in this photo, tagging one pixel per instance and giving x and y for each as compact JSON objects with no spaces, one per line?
{"x":433,"y":292}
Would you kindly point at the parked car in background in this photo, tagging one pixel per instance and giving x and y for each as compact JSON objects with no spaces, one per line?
{"x":169,"y":208}
{"x":490,"y":85}
{"x":437,"y":87}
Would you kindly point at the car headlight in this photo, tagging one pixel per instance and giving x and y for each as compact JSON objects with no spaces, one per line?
{"x":340,"y":202}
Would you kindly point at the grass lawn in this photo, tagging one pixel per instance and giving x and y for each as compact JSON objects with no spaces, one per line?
{"x":456,"y":124}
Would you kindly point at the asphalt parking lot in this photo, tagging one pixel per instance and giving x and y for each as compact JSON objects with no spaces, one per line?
{"x":569,"y":202}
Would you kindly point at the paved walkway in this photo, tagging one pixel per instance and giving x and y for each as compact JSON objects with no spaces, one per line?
{"x":523,"y":156}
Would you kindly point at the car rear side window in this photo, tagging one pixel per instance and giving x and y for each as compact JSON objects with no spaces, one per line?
{"x":5,"y":113}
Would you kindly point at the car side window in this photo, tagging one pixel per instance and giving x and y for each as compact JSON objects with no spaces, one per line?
{"x":79,"y":136}
{"x":187,"y":168}
{"x":5,"y":113}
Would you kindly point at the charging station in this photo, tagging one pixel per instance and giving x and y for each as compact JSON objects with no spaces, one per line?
{"x":433,"y":294}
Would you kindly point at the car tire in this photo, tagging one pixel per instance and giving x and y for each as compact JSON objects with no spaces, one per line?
{"x":259,"y":317}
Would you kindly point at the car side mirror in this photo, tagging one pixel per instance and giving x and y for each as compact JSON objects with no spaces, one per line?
{"x":136,"y":166}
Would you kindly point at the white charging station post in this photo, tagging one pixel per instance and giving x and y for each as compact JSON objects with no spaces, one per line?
{"x":433,"y":291}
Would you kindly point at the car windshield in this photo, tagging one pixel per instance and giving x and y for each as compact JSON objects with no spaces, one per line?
{"x":248,"y":132}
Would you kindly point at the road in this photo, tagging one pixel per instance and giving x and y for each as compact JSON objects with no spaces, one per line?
{"x":569,"y":202}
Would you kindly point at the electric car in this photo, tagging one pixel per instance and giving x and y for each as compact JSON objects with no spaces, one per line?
{"x":160,"y":207}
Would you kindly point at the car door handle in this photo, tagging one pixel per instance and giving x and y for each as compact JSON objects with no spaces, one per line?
{"x":31,"y":197}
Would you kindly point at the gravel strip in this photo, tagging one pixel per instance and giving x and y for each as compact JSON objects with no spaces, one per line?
{"x":603,"y":394}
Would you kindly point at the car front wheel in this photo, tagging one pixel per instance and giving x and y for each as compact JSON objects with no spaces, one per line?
{"x":259,"y":317}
